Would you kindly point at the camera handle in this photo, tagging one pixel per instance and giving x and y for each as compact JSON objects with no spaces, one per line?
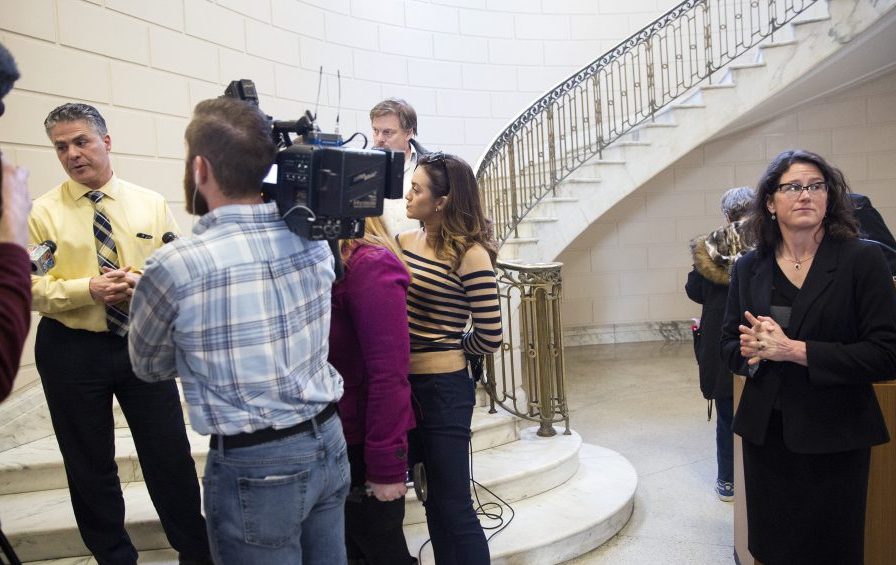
{"x":338,"y":267}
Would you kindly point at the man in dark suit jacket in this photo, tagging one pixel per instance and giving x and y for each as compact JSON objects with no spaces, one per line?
{"x":873,"y":227}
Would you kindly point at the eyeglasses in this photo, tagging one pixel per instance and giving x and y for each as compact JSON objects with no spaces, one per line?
{"x":794,"y":189}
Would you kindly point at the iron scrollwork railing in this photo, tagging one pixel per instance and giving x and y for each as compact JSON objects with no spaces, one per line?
{"x":533,"y":347}
{"x":627,"y":86}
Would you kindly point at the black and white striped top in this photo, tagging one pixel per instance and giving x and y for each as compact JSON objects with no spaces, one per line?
{"x":441,"y":302}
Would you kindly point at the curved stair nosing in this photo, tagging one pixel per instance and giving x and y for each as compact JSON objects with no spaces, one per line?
{"x":570,"y":520}
{"x":41,"y":525}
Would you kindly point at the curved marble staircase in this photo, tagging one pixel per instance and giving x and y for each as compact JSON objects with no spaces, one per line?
{"x":566,"y":497}
{"x":753,"y":83}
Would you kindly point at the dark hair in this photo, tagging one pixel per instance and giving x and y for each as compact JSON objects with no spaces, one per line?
{"x":235,"y":137}
{"x":463,"y":223}
{"x":838,"y":221}
{"x":74,"y":111}
{"x":407,"y":117}
{"x":9,"y":73}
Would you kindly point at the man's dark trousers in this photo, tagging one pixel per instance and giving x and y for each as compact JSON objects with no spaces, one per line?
{"x":80,"y":372}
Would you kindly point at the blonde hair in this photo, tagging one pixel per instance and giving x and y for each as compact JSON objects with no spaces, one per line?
{"x":377,"y":233}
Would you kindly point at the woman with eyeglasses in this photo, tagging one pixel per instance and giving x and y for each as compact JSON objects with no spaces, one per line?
{"x":452,"y":259}
{"x":811,"y":323}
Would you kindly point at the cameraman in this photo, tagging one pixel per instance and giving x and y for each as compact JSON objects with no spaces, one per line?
{"x":241,"y":312}
{"x":15,"y":273}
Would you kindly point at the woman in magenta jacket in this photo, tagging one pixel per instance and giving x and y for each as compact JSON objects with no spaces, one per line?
{"x":369,"y":346}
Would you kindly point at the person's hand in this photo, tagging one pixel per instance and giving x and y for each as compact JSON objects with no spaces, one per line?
{"x":774,"y":344}
{"x":16,"y":204}
{"x":112,"y":286}
{"x":749,"y":343}
{"x":124,"y":274}
{"x":765,"y":339}
{"x":387,"y":492}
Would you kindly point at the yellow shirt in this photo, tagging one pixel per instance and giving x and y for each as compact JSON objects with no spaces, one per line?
{"x":64,"y":215}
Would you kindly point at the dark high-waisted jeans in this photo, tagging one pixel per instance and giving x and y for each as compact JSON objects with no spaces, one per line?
{"x":443,"y":404}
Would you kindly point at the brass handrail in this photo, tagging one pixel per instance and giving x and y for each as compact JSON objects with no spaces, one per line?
{"x":584,"y":114}
{"x":526,"y":376}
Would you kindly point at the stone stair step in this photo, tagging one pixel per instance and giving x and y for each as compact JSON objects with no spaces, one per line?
{"x":529,"y":225}
{"x":153,"y":557}
{"x":570,"y":520}
{"x":515,"y":471}
{"x":38,"y":465}
{"x":41,"y":524}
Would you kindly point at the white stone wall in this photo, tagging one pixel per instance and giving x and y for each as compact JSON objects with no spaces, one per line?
{"x":629,"y":268}
{"x":468,"y":66}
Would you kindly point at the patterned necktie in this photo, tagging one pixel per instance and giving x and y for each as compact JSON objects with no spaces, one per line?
{"x":107,"y":256}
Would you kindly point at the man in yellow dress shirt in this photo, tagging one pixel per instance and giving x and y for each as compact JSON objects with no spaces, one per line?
{"x":104,"y":229}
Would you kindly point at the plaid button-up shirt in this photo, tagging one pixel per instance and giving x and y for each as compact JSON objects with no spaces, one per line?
{"x":241,"y":312}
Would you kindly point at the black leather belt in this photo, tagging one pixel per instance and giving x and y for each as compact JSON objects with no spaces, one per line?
{"x":270,"y":434}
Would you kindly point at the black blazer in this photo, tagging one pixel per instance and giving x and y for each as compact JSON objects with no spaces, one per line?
{"x":873,"y":227}
{"x":846,"y":314}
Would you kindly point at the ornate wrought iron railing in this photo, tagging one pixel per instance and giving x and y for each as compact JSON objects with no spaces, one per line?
{"x":584,"y":114}
{"x":564,"y":129}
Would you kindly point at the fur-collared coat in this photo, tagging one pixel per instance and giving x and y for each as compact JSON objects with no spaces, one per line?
{"x":714,"y":255}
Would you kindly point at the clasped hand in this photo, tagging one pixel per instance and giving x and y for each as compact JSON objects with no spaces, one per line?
{"x":387,"y":492}
{"x":763,"y":339}
{"x":114,"y":285}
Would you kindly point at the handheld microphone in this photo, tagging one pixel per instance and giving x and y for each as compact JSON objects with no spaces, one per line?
{"x":168,"y":237}
{"x":41,"y":256}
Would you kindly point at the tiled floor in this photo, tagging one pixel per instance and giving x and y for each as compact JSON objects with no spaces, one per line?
{"x":643,"y":400}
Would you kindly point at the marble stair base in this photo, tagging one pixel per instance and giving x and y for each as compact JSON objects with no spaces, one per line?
{"x":522,"y":469}
{"x":41,"y":524}
{"x":571,"y":519}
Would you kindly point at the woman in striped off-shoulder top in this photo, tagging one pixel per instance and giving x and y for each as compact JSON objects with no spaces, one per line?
{"x":451,"y":258}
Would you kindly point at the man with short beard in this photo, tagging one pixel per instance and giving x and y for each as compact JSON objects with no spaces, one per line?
{"x":105,"y":228}
{"x":241,"y":313}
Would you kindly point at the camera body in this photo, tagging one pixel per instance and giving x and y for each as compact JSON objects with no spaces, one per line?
{"x":322,"y":189}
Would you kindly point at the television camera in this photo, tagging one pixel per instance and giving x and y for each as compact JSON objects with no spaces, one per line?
{"x":324,"y":190}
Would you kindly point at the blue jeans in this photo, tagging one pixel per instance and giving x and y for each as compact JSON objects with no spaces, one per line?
{"x":725,"y":439}
{"x":279,"y":502}
{"x":443,"y":404}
